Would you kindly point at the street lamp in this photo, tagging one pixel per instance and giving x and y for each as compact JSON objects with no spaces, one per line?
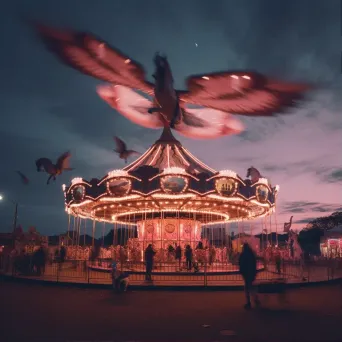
{"x":15,"y":211}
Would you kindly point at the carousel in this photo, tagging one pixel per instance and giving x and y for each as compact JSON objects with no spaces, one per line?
{"x":168,"y":197}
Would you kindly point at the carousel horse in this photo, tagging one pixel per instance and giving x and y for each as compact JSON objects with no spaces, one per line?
{"x":255,"y":175}
{"x":295,"y":248}
{"x":287,"y":225}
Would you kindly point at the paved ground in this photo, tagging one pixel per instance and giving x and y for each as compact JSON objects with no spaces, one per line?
{"x":33,"y":312}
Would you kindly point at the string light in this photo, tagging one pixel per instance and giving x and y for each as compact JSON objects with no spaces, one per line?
{"x":225,"y":217}
{"x":198,"y":161}
{"x":76,"y":180}
{"x":226,"y":173}
{"x":262,"y":181}
{"x":155,"y":155}
{"x":168,"y":156}
{"x":180,"y":154}
{"x":75,"y":205}
{"x":174,"y":171}
{"x":139,"y":160}
{"x":227,"y":199}
{"x":173,"y":196}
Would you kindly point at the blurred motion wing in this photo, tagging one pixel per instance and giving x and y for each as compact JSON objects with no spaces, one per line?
{"x":45,"y":164}
{"x":242,"y":92}
{"x":63,"y":162}
{"x":120,"y":145}
{"x":206,"y":123}
{"x":23,"y":178}
{"x":130,"y":104}
{"x":132,"y":152}
{"x":92,"y":56}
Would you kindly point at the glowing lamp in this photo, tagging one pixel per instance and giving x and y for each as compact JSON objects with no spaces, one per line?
{"x":76,"y":180}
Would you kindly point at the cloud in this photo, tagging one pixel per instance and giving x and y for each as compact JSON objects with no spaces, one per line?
{"x":305,"y":221}
{"x":334,"y":176}
{"x":302,"y":207}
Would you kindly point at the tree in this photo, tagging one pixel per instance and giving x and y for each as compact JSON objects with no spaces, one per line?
{"x":326,"y":222}
{"x":310,"y":237}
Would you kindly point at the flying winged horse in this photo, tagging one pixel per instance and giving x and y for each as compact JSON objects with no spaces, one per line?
{"x":219,"y":94}
{"x":122,"y":151}
{"x":54,"y":170}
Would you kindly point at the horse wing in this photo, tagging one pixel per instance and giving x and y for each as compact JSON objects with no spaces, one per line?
{"x":63,"y":161}
{"x":45,"y":164}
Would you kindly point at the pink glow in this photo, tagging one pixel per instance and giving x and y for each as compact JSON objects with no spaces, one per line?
{"x":303,"y":151}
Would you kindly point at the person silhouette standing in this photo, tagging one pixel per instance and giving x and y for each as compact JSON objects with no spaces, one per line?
{"x":178,"y":256}
{"x":149,"y":256}
{"x":188,"y":257}
{"x":248,"y":270}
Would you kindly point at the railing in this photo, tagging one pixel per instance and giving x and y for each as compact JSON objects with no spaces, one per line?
{"x":173,"y":273}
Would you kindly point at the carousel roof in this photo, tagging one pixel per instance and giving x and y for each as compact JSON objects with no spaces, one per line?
{"x":167,"y":152}
{"x":168,"y":181}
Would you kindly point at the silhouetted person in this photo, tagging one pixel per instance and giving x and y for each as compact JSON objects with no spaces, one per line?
{"x":178,"y":255}
{"x":170,"y":251}
{"x":119,"y":279}
{"x":62,"y":255}
{"x":56,"y":255}
{"x":149,"y":256}
{"x":248,"y":270}
{"x":304,"y":263}
{"x":188,"y":257}
{"x":278,"y":262}
{"x":39,"y":261}
{"x":199,"y":245}
{"x":212,"y":255}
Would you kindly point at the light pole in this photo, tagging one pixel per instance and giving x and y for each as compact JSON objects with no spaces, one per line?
{"x":15,"y":214}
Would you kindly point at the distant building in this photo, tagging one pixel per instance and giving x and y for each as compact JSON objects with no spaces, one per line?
{"x":331,"y":243}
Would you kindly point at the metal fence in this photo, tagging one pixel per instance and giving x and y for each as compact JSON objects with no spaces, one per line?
{"x":169,"y":274}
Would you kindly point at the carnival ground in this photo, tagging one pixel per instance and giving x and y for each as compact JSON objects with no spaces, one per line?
{"x":36,"y":312}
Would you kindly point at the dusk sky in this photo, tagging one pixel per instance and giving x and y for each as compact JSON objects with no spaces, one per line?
{"x":47,"y":108}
